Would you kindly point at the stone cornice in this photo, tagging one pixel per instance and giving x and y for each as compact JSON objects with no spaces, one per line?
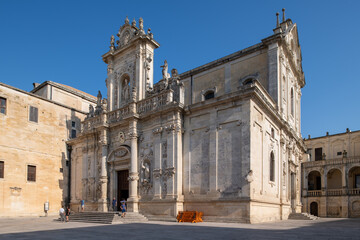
{"x":223,"y":60}
{"x":69,"y":90}
{"x":40,"y":97}
{"x":128,"y":46}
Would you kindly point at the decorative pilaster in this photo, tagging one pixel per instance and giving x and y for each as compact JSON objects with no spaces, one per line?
{"x":133,"y":174}
{"x":157,"y":172}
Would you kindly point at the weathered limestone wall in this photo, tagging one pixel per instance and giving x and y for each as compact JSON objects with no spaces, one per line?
{"x":40,"y":144}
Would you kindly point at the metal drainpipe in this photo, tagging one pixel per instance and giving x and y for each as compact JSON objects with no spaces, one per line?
{"x":69,"y":148}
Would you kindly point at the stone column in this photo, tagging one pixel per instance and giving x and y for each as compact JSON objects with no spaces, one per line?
{"x":103,"y":174}
{"x":133,"y":174}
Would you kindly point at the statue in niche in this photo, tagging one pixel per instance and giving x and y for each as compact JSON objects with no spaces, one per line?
{"x":145,"y":170}
{"x":165,"y":73}
{"x":126,"y":91}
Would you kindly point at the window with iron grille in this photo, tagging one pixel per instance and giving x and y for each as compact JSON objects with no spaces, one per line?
{"x":2,"y":105}
{"x":33,"y":114}
{"x":31,"y":173}
{"x":1,"y":169}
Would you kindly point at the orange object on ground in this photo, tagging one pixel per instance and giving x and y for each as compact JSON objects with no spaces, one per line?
{"x":189,"y":216}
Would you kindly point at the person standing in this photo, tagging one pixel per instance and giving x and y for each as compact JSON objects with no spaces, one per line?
{"x":114,"y":204}
{"x":67,"y":213}
{"x":123,"y":208}
{"x":82,"y":202}
{"x":62,"y":214}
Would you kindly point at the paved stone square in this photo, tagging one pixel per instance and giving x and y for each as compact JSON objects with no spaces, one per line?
{"x":49,"y":228}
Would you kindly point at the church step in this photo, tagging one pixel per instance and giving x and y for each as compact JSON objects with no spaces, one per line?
{"x":107,"y":217}
{"x":302,"y":216}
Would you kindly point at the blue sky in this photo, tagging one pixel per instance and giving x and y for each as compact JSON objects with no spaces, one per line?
{"x":63,"y":41}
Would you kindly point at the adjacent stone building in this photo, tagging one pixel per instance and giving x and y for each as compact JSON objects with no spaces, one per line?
{"x":223,"y":138}
{"x":331,"y":175}
{"x":34,"y":128}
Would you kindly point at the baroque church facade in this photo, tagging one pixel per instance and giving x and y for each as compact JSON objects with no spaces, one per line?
{"x":223,"y":138}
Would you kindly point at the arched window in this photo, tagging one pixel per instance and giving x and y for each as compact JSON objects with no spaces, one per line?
{"x":272,"y":133}
{"x":292,"y":102}
{"x":272,"y":167}
{"x":209,"y":95}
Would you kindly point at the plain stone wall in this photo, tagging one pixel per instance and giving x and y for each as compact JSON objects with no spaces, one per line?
{"x":40,"y":144}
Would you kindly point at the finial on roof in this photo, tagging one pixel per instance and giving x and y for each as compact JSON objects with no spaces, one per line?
{"x":126,"y":20}
{"x":277,"y":20}
{"x":141,"y":23}
{"x":347,"y":130}
{"x":283,"y":10}
{"x":133,"y":23}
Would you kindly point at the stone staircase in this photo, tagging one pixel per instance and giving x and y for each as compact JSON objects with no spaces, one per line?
{"x":302,"y":216}
{"x":106,"y":217}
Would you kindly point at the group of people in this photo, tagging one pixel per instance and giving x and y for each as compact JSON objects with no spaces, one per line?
{"x":122,"y":206}
{"x":64,"y":214}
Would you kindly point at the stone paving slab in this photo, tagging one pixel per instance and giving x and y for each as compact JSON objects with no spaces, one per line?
{"x":49,"y":228}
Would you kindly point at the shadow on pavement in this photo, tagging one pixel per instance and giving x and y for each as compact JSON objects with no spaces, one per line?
{"x":337,"y":229}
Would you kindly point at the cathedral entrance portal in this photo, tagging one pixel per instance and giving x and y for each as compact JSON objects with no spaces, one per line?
{"x":123,"y":186}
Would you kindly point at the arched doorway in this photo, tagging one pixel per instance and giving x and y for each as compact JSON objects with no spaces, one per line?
{"x":314,"y":209}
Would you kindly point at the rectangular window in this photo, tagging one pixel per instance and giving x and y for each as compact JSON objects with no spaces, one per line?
{"x":1,"y":169}
{"x":318,"y":154}
{"x":73,"y":129}
{"x":357,"y":181}
{"x":2,"y":105}
{"x":73,"y":133}
{"x":339,"y":153}
{"x":33,"y":114}
{"x":31,"y":173}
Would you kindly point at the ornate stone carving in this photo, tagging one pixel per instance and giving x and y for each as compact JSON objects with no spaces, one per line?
{"x":164,"y":150}
{"x":157,"y":130}
{"x":169,"y":172}
{"x":122,"y":137}
{"x":133,"y":176}
{"x":132,"y":135}
{"x":15,"y":191}
{"x":120,"y":153}
{"x":157,"y":173}
{"x":249,"y":177}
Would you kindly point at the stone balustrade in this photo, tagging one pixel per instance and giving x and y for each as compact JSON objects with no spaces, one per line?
{"x":314,"y":193}
{"x":335,"y":161}
{"x":118,"y":114}
{"x":155,"y":102}
{"x":90,"y":123}
{"x":333,"y":192}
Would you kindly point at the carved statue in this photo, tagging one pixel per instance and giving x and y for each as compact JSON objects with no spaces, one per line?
{"x":104,"y":104}
{"x":91,"y":111}
{"x":126,"y":91}
{"x":99,"y":97}
{"x":145,"y":167}
{"x":112,"y":42}
{"x":165,"y":73}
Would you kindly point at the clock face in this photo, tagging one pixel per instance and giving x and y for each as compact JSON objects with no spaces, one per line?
{"x":122,"y":137}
